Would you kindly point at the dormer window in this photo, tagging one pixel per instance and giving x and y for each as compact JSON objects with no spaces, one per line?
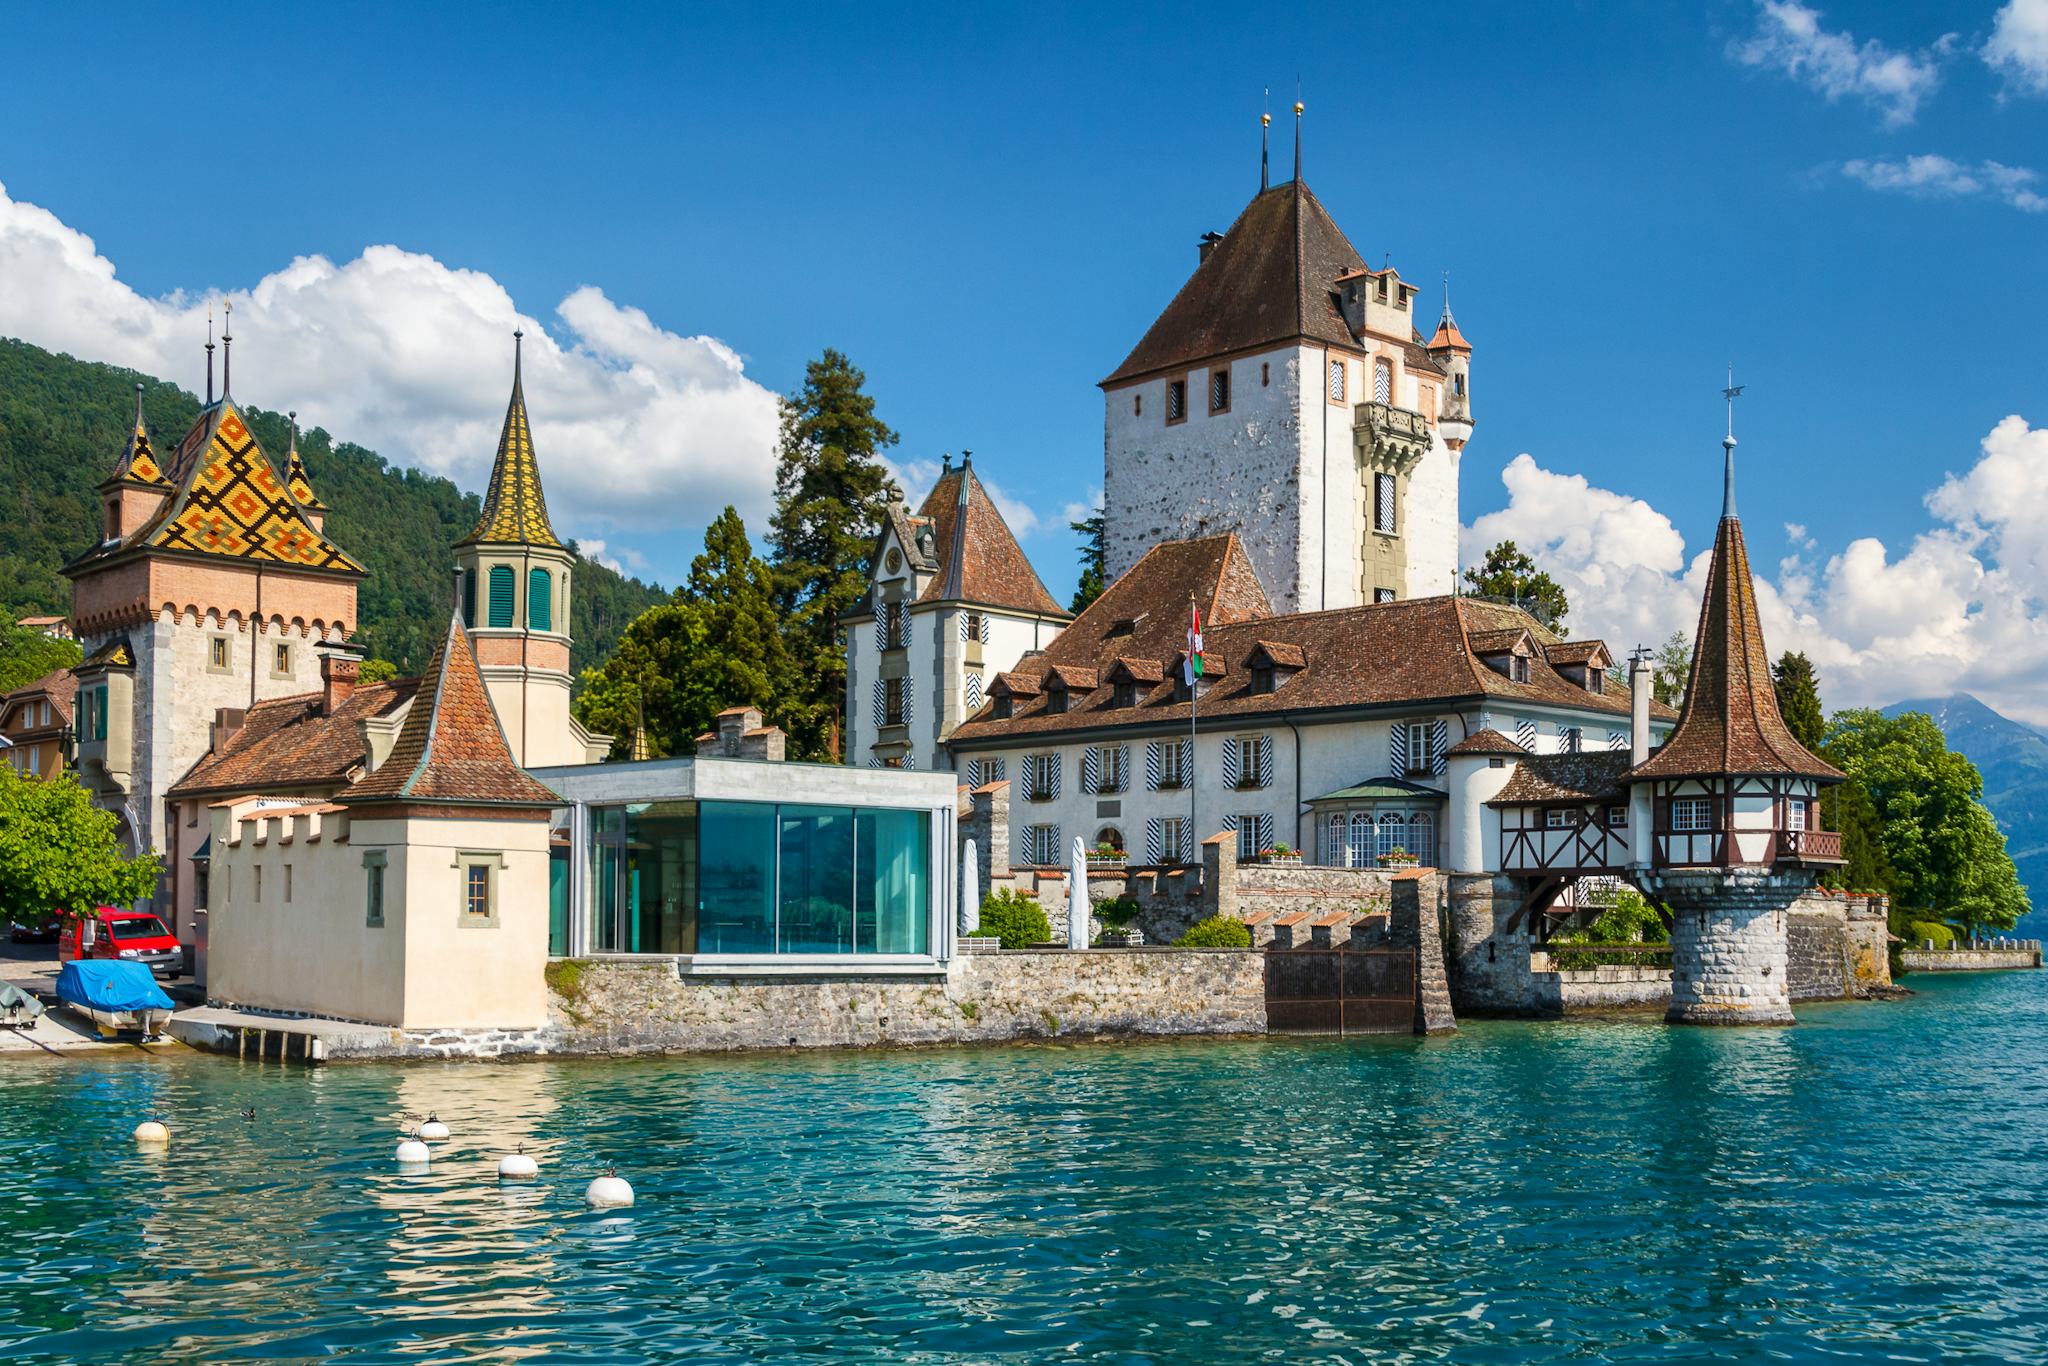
{"x":1596,"y":681}
{"x":1518,"y":668}
{"x":1002,"y":706}
{"x":1055,"y":700}
{"x":1124,"y":694}
{"x":1262,"y":679}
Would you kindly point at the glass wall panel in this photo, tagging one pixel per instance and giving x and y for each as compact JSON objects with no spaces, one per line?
{"x":661,"y":881}
{"x":894,"y":862}
{"x":608,"y":923}
{"x":736,"y":884}
{"x":558,"y":883}
{"x":816,"y":879}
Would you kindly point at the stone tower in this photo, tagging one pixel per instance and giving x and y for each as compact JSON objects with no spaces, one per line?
{"x":1286,"y":395}
{"x":515,"y":583}
{"x":1733,"y":796}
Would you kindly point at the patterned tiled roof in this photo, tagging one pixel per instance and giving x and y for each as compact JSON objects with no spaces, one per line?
{"x":452,"y":748}
{"x":114,"y":654}
{"x":979,"y":560}
{"x":1268,"y":280}
{"x":515,"y":510}
{"x":1380,"y":654}
{"x":1589,"y":776}
{"x":295,"y":481}
{"x":230,"y":502}
{"x":138,"y":463}
{"x":1731,"y":724}
{"x":296,"y":742}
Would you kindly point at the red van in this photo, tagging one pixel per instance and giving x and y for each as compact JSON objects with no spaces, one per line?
{"x":132,"y":936}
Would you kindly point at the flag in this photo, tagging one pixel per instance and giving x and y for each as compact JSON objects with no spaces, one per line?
{"x":1192,"y":669}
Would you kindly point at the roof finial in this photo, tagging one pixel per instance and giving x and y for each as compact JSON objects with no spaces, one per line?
{"x":138,"y":407}
{"x":209,"y":353}
{"x":1265,"y":124}
{"x":1447,"y":296}
{"x":966,"y":466}
{"x":227,"y":342}
{"x":1731,"y":393}
{"x":946,"y":463}
{"x":518,"y":351}
{"x":1297,"y":130}
{"x":294,"y":416}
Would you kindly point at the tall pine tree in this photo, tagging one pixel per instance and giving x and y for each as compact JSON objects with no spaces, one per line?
{"x":1799,"y":699}
{"x":831,"y":493}
{"x":1094,"y":578}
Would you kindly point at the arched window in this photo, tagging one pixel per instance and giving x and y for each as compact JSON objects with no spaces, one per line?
{"x":1393,"y":833}
{"x":1422,"y":838}
{"x":501,"y":595}
{"x":1111,"y":838}
{"x":540,"y":600}
{"x":1358,"y":848}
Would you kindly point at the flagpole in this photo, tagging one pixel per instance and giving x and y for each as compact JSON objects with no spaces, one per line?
{"x":1194,"y":698}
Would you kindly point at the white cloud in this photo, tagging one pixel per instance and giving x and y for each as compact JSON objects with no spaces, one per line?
{"x":1790,"y":39}
{"x":637,"y":427}
{"x":1937,"y":177}
{"x":2018,"y":46}
{"x":918,"y":476}
{"x":1081,"y":512}
{"x":1964,"y":607}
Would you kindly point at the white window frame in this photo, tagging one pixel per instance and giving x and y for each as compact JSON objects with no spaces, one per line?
{"x":1692,"y":815}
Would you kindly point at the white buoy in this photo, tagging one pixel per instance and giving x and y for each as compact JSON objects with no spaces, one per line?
{"x":517,"y":1166}
{"x":609,"y":1191}
{"x":412,"y":1152}
{"x":433,"y":1129}
{"x":151,"y":1131}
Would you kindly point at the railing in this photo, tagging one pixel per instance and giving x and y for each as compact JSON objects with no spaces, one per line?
{"x":1579,"y":957}
{"x":1810,"y":844}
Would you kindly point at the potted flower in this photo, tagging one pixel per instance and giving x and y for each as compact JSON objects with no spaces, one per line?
{"x":1281,"y":853}
{"x":1397,"y":857}
{"x":1117,"y":916}
{"x":1106,"y":855}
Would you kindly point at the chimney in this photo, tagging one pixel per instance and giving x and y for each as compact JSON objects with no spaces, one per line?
{"x":340,"y":666}
{"x":1639,"y":691}
{"x":1208,"y":244}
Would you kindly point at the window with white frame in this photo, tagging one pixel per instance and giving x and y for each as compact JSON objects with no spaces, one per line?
{"x":1254,"y":759}
{"x":1416,"y":733}
{"x":1557,"y":818}
{"x":1617,"y":818}
{"x":1042,"y":845}
{"x":1359,"y":850}
{"x":1041,"y":777}
{"x":1570,"y":739}
{"x":1173,"y":764}
{"x":1795,"y":814}
{"x":1254,"y":835}
{"x":1107,"y":768}
{"x":1690,"y":815}
{"x":981,"y":772}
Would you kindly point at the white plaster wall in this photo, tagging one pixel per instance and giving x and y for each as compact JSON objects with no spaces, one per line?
{"x":1237,"y":471}
{"x":1432,"y":526}
{"x":533,"y":710}
{"x":460,"y":976}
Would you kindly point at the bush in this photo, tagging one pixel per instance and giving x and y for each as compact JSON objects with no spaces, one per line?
{"x":1920,"y":931}
{"x":1014,"y":918}
{"x":1217,"y":932}
{"x":1117,"y":912}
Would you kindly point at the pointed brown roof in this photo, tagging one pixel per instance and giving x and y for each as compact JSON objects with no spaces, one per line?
{"x":1730,"y":723}
{"x":451,"y":748}
{"x":515,"y":511}
{"x":1267,"y":281}
{"x":979,"y":559}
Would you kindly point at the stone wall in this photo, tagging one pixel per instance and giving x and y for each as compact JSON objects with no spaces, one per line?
{"x":1836,"y":946}
{"x":1488,"y":953}
{"x":1970,"y":960}
{"x":1611,"y":986}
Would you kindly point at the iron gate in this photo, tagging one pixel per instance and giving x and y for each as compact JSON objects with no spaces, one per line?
{"x":1340,"y":991}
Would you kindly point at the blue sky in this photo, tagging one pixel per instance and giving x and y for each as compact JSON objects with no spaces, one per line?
{"x":985,"y":207}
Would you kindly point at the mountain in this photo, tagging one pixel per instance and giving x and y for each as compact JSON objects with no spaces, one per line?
{"x":2013,"y":759}
{"x":62,"y":423}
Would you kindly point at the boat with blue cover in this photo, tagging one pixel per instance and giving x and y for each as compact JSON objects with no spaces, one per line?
{"x":118,"y":997}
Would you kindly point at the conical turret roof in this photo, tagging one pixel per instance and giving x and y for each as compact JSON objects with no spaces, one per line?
{"x":295,"y":481}
{"x":138,"y":463}
{"x":515,"y":511}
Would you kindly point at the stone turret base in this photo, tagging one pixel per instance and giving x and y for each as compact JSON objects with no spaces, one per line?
{"x":1728,"y":945}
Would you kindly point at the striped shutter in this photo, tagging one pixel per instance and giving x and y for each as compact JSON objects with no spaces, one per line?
{"x":1265,"y":755}
{"x":1397,"y":749}
{"x":973,"y":692}
{"x":1055,"y":850}
{"x":1123,"y":768}
{"x":1052,"y":766}
{"x":1439,"y":741}
{"x":963,"y":626}
{"x":1262,"y":827}
{"x":1155,"y":840}
{"x":1091,"y":770}
{"x":1231,"y":766}
{"x":996,"y":769}
{"x":910,"y":761}
{"x":1525,"y":734}
{"x":1152,"y":767}
{"x":881,"y":705}
{"x":874,"y":762}
{"x":1617,"y":739}
{"x":906,"y":700}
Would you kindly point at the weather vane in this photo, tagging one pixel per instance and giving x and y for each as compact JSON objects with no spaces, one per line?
{"x":1731,"y":393}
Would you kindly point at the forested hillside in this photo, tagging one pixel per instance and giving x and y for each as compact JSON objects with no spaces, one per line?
{"x":63,"y":421}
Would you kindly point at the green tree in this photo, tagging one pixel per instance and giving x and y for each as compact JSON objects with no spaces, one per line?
{"x":1094,"y":578}
{"x":1847,"y":807}
{"x":831,"y":493}
{"x":59,"y":853}
{"x":717,"y":643}
{"x":1671,"y":670}
{"x":377,"y":671}
{"x":1946,"y":852}
{"x":27,"y":654}
{"x":1510,"y":575}
{"x":1799,"y":699}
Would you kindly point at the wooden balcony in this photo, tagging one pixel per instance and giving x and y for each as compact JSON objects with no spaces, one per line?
{"x":1810,"y":847}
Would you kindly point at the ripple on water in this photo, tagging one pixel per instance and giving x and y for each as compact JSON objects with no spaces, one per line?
{"x":1860,"y":1188}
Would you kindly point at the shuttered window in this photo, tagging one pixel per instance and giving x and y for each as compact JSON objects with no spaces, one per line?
{"x":501,"y":595}
{"x":469,"y":597}
{"x":540,"y":600}
{"x":1382,"y":381}
{"x":1383,"y":503}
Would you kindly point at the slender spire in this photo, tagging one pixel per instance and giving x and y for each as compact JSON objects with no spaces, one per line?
{"x":209,"y":353}
{"x":227,"y":343}
{"x":1297,"y":142}
{"x":1265,"y":129}
{"x":1731,"y":393}
{"x":138,"y":407}
{"x":515,"y":512}
{"x":295,"y":481}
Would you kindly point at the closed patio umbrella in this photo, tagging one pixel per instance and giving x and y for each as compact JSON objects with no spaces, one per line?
{"x":970,"y":889}
{"x":1077,"y":898}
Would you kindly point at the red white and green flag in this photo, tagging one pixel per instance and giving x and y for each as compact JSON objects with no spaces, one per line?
{"x":1192,"y":669}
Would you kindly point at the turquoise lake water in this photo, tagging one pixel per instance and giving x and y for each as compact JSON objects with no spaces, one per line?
{"x":1864,"y":1187}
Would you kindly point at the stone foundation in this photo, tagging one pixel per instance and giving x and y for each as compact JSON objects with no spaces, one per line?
{"x":1489,"y":962}
{"x":1728,"y":943}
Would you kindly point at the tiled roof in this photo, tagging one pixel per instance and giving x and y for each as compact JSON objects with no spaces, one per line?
{"x":1071,"y":676}
{"x":1589,"y":776}
{"x":138,"y":462}
{"x":1267,"y":281}
{"x":1448,"y":337}
{"x":295,"y":741}
{"x":979,"y":560}
{"x":228,"y":501}
{"x":452,"y":748}
{"x":515,"y":511}
{"x":1488,"y":742}
{"x":1500,"y":642}
{"x":1731,"y":723}
{"x":114,"y":654}
{"x":295,"y":481}
{"x":1411,"y":651}
{"x":1281,"y":654}
{"x":1128,"y":670}
{"x":59,"y":688}
{"x":1382,"y":788}
{"x":1574,"y":651}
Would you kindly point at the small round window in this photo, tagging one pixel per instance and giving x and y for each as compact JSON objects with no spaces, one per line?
{"x":895,"y":559}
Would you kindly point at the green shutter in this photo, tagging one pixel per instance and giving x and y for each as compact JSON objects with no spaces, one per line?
{"x":469,"y":597}
{"x":501,"y":595}
{"x":99,"y":714}
{"x":540,"y":600}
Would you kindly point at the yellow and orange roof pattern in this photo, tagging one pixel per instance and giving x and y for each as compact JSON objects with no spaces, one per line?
{"x":515,"y":510}
{"x":295,"y":481}
{"x":231,"y":503}
{"x":138,"y":462}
